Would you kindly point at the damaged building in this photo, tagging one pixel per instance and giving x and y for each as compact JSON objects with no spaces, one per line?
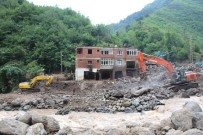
{"x":98,"y":63}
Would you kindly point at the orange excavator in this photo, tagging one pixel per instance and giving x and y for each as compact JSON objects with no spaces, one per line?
{"x":179,"y":79}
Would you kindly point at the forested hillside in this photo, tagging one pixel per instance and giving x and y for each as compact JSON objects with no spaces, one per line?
{"x":175,"y":29}
{"x":32,"y":39}
{"x":145,"y":12}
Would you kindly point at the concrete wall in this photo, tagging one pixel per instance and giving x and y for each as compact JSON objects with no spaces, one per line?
{"x":79,"y":73}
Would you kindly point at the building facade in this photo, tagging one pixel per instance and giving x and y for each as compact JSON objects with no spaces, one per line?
{"x":97,"y":63}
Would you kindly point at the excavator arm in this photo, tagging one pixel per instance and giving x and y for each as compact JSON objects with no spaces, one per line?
{"x":48,"y":79}
{"x":142,"y":58}
{"x":31,"y":85}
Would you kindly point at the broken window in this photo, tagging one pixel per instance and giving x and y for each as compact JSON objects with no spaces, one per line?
{"x":79,"y":51}
{"x":119,"y":52}
{"x":118,"y":74}
{"x":106,"y":52}
{"x":106,"y":74}
{"x":119,"y":62}
{"x":132,"y":52}
{"x":106,"y":62}
{"x":89,"y":51}
{"x":89,"y":62}
{"x":130,"y":64}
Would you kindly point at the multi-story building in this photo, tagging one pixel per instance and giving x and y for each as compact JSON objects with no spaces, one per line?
{"x":105,"y":63}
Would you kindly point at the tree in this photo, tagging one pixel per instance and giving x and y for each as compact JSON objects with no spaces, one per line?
{"x":10,"y":76}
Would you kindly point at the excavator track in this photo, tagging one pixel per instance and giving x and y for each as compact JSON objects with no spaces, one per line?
{"x":30,"y":90}
{"x":185,"y":86}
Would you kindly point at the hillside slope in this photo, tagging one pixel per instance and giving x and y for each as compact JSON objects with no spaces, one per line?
{"x":146,"y":11}
{"x":174,"y":27}
{"x":185,"y":16}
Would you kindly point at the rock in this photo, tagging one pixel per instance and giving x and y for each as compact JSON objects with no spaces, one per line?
{"x":51,"y":125}
{"x":141,"y":131}
{"x":128,"y":110}
{"x":7,"y":108}
{"x":1,"y":107}
{"x":193,"y":132}
{"x":184,"y":95}
{"x":39,"y":106}
{"x":38,"y":119}
{"x":166,"y":128}
{"x":34,"y":102}
{"x":166,"y":123}
{"x":182,"y":119}
{"x":192,"y":106}
{"x":139,"y":108}
{"x":135,"y":102}
{"x":115,"y":132}
{"x":26,"y":107}
{"x":16,"y":102}
{"x":126,"y":103}
{"x":36,"y":129}
{"x":66,"y":100}
{"x":26,"y":118}
{"x":64,"y":131}
{"x":118,"y":93}
{"x":50,"y":102}
{"x":198,"y":120}
{"x":174,"y":132}
{"x":12,"y":127}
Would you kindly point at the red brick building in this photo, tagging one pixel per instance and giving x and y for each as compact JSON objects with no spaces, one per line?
{"x":105,"y":63}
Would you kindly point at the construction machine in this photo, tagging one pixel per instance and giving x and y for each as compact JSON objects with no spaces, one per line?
{"x":179,"y":79}
{"x":32,"y":86}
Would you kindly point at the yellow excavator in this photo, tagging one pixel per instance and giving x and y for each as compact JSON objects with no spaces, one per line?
{"x":31,"y":86}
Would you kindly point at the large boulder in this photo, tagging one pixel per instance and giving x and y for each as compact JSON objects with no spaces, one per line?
{"x":51,"y":125}
{"x":192,"y":106}
{"x":32,"y":118}
{"x":193,"y":132}
{"x":16,"y":102}
{"x":182,"y":119}
{"x":36,"y":129}
{"x":198,"y":120}
{"x":36,"y":118}
{"x":26,"y":118}
{"x":12,"y":127}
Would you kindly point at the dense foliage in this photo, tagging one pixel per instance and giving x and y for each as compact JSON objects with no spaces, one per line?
{"x":35,"y":38}
{"x":173,"y":26}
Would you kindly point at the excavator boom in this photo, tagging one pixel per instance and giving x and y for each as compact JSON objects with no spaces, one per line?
{"x":179,"y":79}
{"x":142,"y":58}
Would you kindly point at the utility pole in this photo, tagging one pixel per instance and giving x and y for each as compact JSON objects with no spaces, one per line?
{"x":191,"y":49}
{"x":61,"y":62}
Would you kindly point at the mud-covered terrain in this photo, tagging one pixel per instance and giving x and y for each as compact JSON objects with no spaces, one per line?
{"x":123,"y":106}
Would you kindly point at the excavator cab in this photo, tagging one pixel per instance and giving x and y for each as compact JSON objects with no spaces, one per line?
{"x":178,"y":76}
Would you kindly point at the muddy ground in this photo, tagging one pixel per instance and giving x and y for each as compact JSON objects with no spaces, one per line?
{"x":101,"y":105}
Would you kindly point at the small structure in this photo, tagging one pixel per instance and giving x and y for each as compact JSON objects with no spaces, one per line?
{"x":98,"y":63}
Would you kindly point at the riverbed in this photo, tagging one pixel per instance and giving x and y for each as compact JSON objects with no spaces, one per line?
{"x":79,"y":121}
